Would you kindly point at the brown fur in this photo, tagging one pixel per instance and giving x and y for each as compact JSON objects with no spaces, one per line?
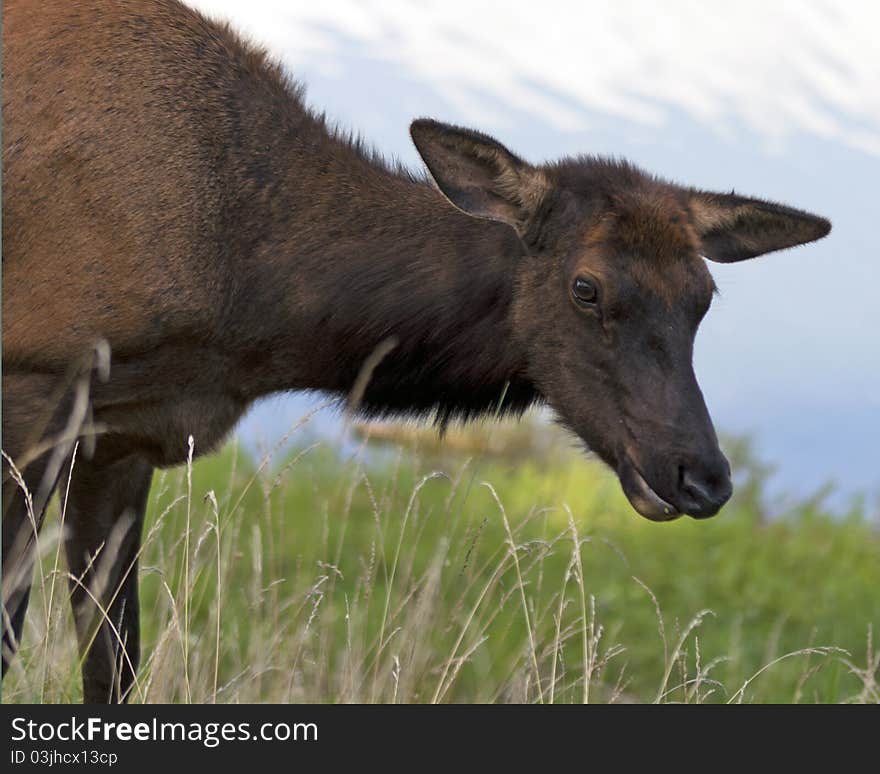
{"x":181,"y":236}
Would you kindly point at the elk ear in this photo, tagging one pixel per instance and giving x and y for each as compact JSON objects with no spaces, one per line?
{"x":478,"y":174}
{"x":732,"y":228}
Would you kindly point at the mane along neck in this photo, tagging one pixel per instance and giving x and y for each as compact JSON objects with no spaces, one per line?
{"x":360,"y":256}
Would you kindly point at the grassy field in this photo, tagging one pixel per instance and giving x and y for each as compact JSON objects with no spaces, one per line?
{"x":500,"y":566}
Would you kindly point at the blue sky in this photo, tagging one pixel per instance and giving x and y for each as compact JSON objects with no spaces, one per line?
{"x":778,"y":101}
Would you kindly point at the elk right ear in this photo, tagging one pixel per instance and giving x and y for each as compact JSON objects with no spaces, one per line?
{"x":478,"y":174}
{"x":734,"y":228}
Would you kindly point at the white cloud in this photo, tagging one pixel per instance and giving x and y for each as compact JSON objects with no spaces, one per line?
{"x":779,"y":67}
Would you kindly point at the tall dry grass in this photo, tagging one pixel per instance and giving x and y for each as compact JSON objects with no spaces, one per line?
{"x":410,"y":575}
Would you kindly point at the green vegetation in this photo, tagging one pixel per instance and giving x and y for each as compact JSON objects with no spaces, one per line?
{"x":413,"y":573}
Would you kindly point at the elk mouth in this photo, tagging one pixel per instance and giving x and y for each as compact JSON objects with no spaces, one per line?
{"x":641,"y":496}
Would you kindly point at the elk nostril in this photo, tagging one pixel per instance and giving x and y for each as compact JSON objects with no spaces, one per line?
{"x":692,"y":487}
{"x":707,"y":489}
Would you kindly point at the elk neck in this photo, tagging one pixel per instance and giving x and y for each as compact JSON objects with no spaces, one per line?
{"x":356,"y":258}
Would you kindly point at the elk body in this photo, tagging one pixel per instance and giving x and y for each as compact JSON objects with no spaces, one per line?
{"x":181,"y":236}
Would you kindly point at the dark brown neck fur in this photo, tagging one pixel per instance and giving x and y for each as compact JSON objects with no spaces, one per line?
{"x":337,"y":252}
{"x":226,"y":243}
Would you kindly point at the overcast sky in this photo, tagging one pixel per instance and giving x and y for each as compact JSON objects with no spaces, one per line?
{"x":775,"y":99}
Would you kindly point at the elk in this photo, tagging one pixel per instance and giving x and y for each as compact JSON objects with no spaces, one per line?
{"x":182,"y":236}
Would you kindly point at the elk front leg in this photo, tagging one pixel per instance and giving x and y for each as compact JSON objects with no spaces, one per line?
{"x":105,"y":514}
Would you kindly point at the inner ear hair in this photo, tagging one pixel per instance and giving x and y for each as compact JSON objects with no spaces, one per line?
{"x":734,"y":228}
{"x":478,"y":175}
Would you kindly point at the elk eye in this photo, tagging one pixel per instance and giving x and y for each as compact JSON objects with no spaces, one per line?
{"x":585,"y":291}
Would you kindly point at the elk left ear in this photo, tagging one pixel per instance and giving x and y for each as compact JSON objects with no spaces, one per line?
{"x":478,"y":174}
{"x":732,"y":228}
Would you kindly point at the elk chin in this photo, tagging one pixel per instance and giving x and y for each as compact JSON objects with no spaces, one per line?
{"x":640,"y":495}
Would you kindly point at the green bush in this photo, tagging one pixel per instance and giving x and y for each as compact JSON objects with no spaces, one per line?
{"x":409,"y":573}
